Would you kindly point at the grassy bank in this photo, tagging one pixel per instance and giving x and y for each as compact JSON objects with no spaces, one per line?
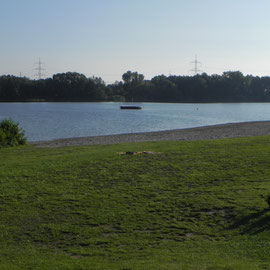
{"x":190,"y":205}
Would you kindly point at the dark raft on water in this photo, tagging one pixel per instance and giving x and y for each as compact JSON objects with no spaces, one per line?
{"x":130,"y":107}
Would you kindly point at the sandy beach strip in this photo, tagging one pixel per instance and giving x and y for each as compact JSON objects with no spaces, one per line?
{"x":231,"y":130}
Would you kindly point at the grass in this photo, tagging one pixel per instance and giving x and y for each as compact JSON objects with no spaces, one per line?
{"x":192,"y":205}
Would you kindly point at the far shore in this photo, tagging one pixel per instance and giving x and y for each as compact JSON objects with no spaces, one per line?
{"x":230,"y":130}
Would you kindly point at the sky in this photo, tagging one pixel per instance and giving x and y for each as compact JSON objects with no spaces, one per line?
{"x":105,"y":38}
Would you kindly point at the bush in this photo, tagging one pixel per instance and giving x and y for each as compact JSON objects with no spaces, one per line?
{"x":11,"y":134}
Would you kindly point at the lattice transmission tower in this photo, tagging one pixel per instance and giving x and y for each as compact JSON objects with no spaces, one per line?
{"x":196,"y":63}
{"x":40,"y":68}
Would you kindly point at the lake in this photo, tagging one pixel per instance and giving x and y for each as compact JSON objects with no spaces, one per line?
{"x":47,"y":120}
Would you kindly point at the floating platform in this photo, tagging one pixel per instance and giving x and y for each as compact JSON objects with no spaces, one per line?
{"x":130,"y":107}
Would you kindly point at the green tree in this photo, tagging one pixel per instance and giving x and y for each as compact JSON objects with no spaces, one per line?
{"x":132,"y":78}
{"x":132,"y":81}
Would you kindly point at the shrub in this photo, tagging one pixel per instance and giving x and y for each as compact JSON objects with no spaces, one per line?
{"x":11,"y":134}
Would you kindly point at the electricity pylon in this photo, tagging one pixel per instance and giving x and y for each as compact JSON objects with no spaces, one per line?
{"x":39,"y":69}
{"x":196,"y":69}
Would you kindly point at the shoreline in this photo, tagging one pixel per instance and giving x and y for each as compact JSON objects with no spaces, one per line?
{"x":229,"y":130}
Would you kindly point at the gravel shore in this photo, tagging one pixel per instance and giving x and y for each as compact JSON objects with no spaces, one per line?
{"x":231,"y":130}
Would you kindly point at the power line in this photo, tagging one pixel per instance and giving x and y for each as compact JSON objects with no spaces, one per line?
{"x":39,"y":69}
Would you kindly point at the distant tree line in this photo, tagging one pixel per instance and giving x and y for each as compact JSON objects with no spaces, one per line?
{"x":231,"y":86}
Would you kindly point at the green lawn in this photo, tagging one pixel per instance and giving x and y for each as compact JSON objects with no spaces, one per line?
{"x":191,"y":205}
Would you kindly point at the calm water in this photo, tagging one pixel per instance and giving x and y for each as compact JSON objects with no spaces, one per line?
{"x":46,"y":121}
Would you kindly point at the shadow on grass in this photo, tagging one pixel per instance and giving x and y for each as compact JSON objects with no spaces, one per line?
{"x":253,"y":223}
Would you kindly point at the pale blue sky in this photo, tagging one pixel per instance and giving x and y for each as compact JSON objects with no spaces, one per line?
{"x":108,"y":37}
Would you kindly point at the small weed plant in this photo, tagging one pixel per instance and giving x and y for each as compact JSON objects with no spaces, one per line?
{"x":11,"y":134}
